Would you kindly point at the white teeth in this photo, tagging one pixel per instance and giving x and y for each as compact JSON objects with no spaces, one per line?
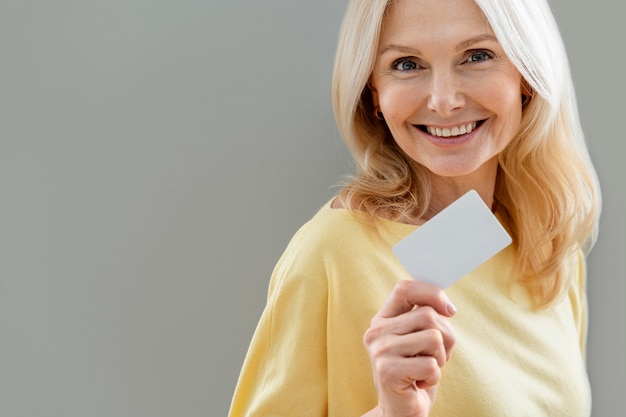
{"x":453,"y":131}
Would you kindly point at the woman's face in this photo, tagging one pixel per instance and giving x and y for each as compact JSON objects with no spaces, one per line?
{"x":448,"y":93}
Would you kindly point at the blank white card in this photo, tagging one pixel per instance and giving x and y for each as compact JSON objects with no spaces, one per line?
{"x":453,"y":243}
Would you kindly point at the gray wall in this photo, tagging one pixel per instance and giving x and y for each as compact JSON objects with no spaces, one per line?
{"x":155,"y":158}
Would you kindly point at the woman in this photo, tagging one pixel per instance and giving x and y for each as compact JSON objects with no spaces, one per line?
{"x":435,"y":98}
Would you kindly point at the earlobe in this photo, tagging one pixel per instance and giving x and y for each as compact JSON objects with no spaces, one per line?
{"x":377,"y":113}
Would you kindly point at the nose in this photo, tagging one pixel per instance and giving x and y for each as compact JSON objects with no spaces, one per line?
{"x":445,"y":96}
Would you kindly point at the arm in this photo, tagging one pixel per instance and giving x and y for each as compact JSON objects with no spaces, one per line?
{"x":578,"y":300}
{"x":285,"y":367}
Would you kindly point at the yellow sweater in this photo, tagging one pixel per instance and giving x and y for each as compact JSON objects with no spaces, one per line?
{"x":307,"y":357}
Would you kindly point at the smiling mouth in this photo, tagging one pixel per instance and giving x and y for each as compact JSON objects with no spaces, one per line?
{"x":447,"y":132}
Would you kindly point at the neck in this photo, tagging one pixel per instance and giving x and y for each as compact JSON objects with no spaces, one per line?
{"x":445,"y":190}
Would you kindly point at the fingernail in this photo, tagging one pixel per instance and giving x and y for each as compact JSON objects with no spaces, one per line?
{"x":451,"y":308}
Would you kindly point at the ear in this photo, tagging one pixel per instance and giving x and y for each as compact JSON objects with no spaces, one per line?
{"x":526,"y":88}
{"x":374,"y":93}
{"x":527,"y":92}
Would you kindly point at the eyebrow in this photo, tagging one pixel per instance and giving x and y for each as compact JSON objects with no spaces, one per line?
{"x":465,"y":44}
{"x":476,"y":39}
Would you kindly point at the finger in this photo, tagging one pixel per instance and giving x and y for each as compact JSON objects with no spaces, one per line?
{"x":400,"y":373}
{"x":409,"y":293}
{"x":412,"y":322}
{"x":420,"y":318}
{"x":424,"y":343}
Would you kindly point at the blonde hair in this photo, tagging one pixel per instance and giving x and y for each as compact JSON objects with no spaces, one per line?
{"x":547,"y":191}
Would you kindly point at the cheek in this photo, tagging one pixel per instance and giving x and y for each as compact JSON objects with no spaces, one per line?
{"x":511,"y":97}
{"x":398,"y":100}
{"x":510,"y":87}
{"x":505,"y":102}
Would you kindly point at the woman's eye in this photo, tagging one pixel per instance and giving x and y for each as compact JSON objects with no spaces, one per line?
{"x":479,"y":56}
{"x":405,"y":64}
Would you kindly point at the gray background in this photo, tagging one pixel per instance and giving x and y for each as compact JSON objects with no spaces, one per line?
{"x":155,"y":158}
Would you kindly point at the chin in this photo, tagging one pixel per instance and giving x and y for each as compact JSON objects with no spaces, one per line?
{"x":452,"y":170}
{"x":459,"y":165}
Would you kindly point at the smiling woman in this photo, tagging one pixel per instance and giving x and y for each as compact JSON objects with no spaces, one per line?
{"x":435,"y":99}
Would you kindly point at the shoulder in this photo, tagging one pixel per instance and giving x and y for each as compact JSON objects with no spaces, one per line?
{"x":335,"y":242}
{"x":334,"y":232}
{"x":318,"y":246}
{"x":329,"y":234}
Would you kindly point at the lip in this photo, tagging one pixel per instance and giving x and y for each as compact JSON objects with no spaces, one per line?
{"x":450,"y":141}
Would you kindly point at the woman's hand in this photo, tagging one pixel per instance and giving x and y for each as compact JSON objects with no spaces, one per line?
{"x":408,"y":341}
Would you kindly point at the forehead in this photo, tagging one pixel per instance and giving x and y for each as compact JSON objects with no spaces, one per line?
{"x":432,"y":21}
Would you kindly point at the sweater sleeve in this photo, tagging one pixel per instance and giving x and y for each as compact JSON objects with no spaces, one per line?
{"x":285,"y":372}
{"x":578,"y":300}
